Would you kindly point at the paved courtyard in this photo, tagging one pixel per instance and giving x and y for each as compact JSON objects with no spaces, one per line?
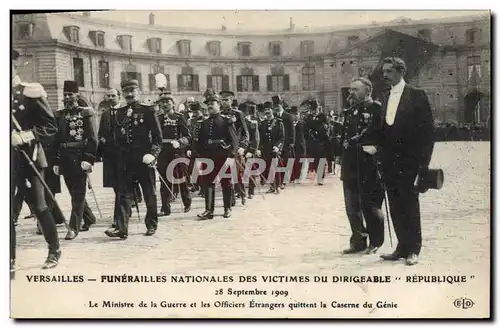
{"x":300,"y":232}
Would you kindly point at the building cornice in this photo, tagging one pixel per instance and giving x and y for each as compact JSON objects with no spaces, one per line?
{"x":53,"y":44}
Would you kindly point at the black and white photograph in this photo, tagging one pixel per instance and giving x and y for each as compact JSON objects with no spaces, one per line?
{"x":230,"y":164}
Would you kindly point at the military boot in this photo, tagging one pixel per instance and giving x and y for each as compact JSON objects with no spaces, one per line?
{"x":209,"y":192}
{"x":226,"y":198}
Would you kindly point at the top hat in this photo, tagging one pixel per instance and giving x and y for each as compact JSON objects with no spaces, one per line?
{"x":70,"y":86}
{"x":314,"y":103}
{"x":432,"y":179}
{"x":277,"y":100}
{"x":130,"y":84}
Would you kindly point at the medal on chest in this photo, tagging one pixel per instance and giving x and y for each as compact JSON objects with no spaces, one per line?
{"x":75,"y":124}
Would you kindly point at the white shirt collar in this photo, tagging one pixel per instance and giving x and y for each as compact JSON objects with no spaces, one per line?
{"x":398,"y":88}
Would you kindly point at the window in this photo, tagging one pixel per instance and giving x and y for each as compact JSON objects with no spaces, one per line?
{"x":103,"y":74}
{"x":125,"y":42}
{"x":472,"y":35}
{"x":275,"y":49}
{"x":184,"y":47}
{"x":308,"y":78}
{"x":278,"y":83}
{"x":474,"y":68}
{"x":25,"y":31}
{"x":214,"y":48}
{"x":131,"y":73}
{"x":154,"y":45}
{"x":247,"y":83}
{"x":352,"y":39}
{"x":218,"y":82}
{"x":244,"y":48}
{"x":78,"y":71}
{"x":307,"y":48}
{"x":187,"y":80}
{"x":75,"y":35}
{"x":152,"y":82}
{"x":100,"y":39}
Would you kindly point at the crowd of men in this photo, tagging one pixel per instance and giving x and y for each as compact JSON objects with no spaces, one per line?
{"x":137,"y":142}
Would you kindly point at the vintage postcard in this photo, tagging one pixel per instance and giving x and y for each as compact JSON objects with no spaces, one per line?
{"x":250,"y":164}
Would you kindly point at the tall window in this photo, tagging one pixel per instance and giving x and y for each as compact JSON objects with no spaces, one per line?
{"x":103,"y":74}
{"x":278,"y":83}
{"x":25,"y":31}
{"x":244,"y":49}
{"x":75,"y":35}
{"x":125,"y":42}
{"x":214,"y":48}
{"x":131,"y":73}
{"x":152,"y":77}
{"x":474,"y":69}
{"x":308,"y":78}
{"x":184,"y":47}
{"x":275,"y":49}
{"x":154,"y":45}
{"x":78,"y":71}
{"x":307,"y":48}
{"x":247,"y":81}
{"x":472,"y":35}
{"x":100,"y":39}
{"x":188,"y":81}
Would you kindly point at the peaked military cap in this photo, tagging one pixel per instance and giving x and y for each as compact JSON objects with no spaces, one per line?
{"x":132,"y":83}
{"x":166,"y":96}
{"x":226,"y":93}
{"x":70,"y":86}
{"x":268,"y":104}
{"x":214,"y":97}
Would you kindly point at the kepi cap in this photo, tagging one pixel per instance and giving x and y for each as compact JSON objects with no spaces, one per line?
{"x":132,"y":83}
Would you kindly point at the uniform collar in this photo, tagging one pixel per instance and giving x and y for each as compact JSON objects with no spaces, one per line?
{"x":398,"y":88}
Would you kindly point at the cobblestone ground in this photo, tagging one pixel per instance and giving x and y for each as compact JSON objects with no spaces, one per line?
{"x":300,"y":232}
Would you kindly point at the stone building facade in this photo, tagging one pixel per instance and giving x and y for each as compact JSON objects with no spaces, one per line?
{"x":295,"y":63}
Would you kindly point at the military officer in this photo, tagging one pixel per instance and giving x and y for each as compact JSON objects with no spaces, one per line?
{"x":272,"y":132}
{"x":300,"y":143}
{"x":254,"y":137}
{"x":217,"y":141}
{"x":138,"y":137}
{"x":176,"y":137}
{"x":289,"y":144}
{"x":33,"y":121}
{"x":229,"y":109}
{"x":363,"y":193}
{"x":194,"y":123}
{"x":317,"y":138}
{"x":76,"y":147}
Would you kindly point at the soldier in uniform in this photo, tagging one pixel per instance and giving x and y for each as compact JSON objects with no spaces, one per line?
{"x":272,"y":132}
{"x":194,"y":124}
{"x":35,"y":122}
{"x":254,"y":137}
{"x":176,"y":137}
{"x":138,"y":137}
{"x":363,"y":193}
{"x":227,"y":100}
{"x":217,"y":141}
{"x":300,"y":143}
{"x":289,"y":144}
{"x":316,"y":127}
{"x":76,"y":147}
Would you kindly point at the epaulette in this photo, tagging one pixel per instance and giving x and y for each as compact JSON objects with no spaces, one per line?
{"x":87,"y":111}
{"x":33,"y":90}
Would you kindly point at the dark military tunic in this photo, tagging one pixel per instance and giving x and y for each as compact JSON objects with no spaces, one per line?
{"x":272,"y":135}
{"x":316,"y":129}
{"x":76,"y":141}
{"x":253,"y":134}
{"x":300,"y":147}
{"x":31,"y":109}
{"x":174,"y":128}
{"x":240,"y":126}
{"x":137,"y":132}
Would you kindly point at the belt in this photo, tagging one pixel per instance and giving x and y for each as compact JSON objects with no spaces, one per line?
{"x":215,"y":141}
{"x":75,"y":144}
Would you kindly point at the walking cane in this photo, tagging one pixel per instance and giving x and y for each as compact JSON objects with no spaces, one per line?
{"x":38,"y":174}
{"x":386,"y":200}
{"x":94,"y":195}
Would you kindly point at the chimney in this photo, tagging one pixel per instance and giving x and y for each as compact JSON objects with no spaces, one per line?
{"x":151,"y":19}
{"x":86,"y":13}
{"x":291,"y":25}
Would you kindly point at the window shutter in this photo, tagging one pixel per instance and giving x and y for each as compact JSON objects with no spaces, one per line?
{"x":255,"y":83}
{"x":196,"y":83}
{"x":168,"y":81}
{"x":225,"y":82}
{"x":180,"y":87}
{"x":152,"y":82}
{"x":124,"y":76}
{"x":209,"y":82}
{"x":286,"y":82}
{"x":269,"y":83}
{"x":239,"y":83}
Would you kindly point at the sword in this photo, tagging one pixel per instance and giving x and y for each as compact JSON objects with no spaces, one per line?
{"x":386,"y":200}
{"x":38,"y":174}
{"x":94,"y":195}
{"x":163,"y":181}
{"x":136,"y":203}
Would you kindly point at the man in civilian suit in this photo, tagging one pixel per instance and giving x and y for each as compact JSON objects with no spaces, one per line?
{"x":404,"y":149}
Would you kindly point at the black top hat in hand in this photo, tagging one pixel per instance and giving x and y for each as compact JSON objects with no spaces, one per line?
{"x":430,"y":179}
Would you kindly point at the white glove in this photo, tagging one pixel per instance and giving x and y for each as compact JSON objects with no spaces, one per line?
{"x":148,"y":159}
{"x":55,"y":169}
{"x":275,"y":149}
{"x":258,"y":153}
{"x":188,"y":153}
{"x":248,"y":155}
{"x":241,"y":151}
{"x":86,"y":166}
{"x":175,"y":144}
{"x":102,"y":140}
{"x":23,"y":137}
{"x":370,"y":149}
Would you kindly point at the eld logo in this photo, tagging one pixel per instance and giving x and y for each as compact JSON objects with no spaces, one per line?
{"x":463,"y":303}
